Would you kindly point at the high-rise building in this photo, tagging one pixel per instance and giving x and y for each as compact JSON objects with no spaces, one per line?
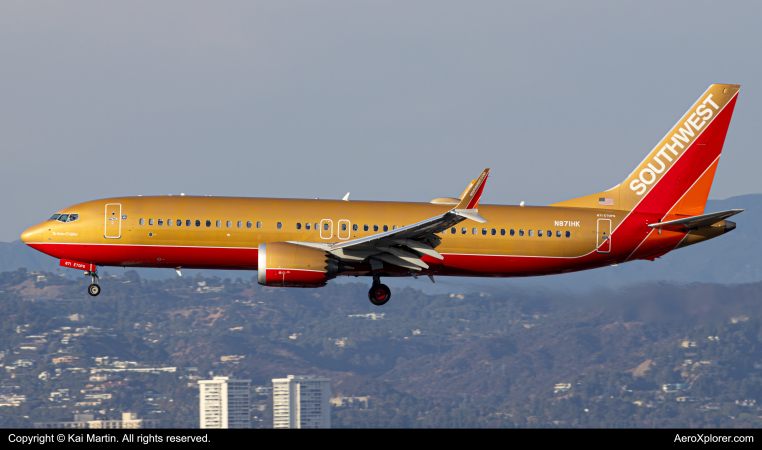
{"x":301,"y":401}
{"x":224,"y":403}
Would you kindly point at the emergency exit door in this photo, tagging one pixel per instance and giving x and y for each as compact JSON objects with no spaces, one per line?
{"x":326,"y":229}
{"x":113,"y":225}
{"x":604,"y":235}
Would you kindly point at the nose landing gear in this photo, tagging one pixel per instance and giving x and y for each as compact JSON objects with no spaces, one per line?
{"x":379,"y":293}
{"x":94,"y":289}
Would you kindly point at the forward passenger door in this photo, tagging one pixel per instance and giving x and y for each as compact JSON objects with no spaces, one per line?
{"x":113,"y":221}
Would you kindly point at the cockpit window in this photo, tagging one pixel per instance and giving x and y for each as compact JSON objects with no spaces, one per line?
{"x":63,"y":217}
{"x":55,"y":216}
{"x":72,"y":217}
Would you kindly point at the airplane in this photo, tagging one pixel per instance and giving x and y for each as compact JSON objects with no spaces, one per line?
{"x":658,"y":208}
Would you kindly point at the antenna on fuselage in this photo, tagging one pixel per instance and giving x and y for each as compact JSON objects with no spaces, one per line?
{"x":346,"y":197}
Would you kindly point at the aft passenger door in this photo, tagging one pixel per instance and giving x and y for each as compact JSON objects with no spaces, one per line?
{"x":604,"y":235}
{"x":113,"y":225}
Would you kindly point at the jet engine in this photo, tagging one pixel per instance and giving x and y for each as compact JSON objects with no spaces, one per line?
{"x":290,"y":265}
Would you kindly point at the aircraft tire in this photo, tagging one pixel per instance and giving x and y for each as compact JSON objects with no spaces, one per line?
{"x":379,"y":294}
{"x":94,"y":290}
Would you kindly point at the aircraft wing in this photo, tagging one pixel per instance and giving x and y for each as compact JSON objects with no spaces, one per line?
{"x":688,"y":223}
{"x":405,"y":245}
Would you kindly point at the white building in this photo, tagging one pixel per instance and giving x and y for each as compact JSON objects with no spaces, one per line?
{"x":224,"y":403}
{"x":301,"y":401}
{"x":82,"y":421}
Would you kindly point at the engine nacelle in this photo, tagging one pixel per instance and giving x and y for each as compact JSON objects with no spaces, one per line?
{"x":291,"y":265}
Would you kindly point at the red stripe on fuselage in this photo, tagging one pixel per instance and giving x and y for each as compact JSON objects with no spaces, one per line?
{"x":154,"y":256}
{"x":246,"y":259}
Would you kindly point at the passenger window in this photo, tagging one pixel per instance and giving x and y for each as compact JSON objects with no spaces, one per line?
{"x":513,"y":232}
{"x":444,"y":231}
{"x":150,"y":221}
{"x":248,"y":224}
{"x":307,"y":226}
{"x":279,"y":225}
{"x":54,"y":217}
{"x":198,"y":223}
{"x":240,"y":224}
{"x":454,"y":230}
{"x":187,"y":223}
{"x":259,"y":224}
{"x":473,"y":231}
{"x":63,"y":217}
{"x":325,"y":226}
{"x":550,"y":233}
{"x":208,"y":223}
{"x":568,"y":234}
{"x":484,"y":231}
{"x":531,"y":232}
{"x":386,"y":227}
{"x":375,"y":227}
{"x":521,"y":232}
{"x":161,"y":222}
{"x":316,"y":227}
{"x":343,"y":227}
{"x":394,"y":227}
{"x":72,"y":217}
{"x":365,"y":228}
{"x":502,"y":232}
{"x":539,"y":233}
{"x":179,"y":223}
{"x":142,"y":221}
{"x":218,"y":223}
{"x":169,"y":222}
{"x":298,"y":226}
{"x":463,"y":230}
{"x":354,"y":227}
{"x":494,"y":232}
{"x":558,"y":233}
{"x":228,"y":224}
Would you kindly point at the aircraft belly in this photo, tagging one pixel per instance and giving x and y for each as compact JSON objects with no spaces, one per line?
{"x":157,"y":256}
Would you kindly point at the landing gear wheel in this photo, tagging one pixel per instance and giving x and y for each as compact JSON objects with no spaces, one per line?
{"x":94,"y":290}
{"x":379,"y":294}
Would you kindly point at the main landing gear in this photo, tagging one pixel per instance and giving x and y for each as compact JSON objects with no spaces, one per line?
{"x":94,"y":289}
{"x":379,"y":293}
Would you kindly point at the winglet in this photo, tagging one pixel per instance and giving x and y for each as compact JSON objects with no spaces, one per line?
{"x":470,"y":199}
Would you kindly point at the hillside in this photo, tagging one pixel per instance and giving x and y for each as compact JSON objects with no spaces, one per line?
{"x":491,"y":359}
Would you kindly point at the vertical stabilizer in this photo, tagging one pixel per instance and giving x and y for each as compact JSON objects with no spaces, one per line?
{"x":675,"y":178}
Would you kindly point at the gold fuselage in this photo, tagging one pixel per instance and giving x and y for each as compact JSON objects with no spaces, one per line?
{"x":226,"y":245}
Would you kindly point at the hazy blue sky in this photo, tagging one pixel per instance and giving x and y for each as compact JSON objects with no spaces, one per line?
{"x":389,"y":100}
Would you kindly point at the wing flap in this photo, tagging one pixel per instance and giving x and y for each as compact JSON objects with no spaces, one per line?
{"x":397,"y":247}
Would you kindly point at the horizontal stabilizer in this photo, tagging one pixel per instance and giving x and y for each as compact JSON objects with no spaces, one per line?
{"x":688,"y":223}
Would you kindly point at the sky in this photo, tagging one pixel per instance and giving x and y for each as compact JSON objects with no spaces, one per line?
{"x":403,"y":101}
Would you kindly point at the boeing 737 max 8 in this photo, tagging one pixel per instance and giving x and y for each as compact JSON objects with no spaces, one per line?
{"x":658,"y":208}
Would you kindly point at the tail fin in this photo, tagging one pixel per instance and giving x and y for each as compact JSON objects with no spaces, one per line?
{"x":473,"y":193}
{"x":675,"y":178}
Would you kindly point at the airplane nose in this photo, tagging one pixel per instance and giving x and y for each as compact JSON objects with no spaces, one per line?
{"x":33,"y":234}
